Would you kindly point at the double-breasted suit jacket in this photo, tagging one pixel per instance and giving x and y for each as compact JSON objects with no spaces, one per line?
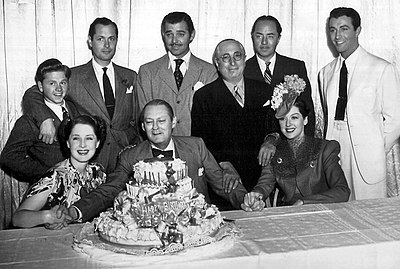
{"x":372,"y":111}
{"x":25,"y":155}
{"x":84,"y":91}
{"x":157,"y":81}
{"x":285,"y":66}
{"x":315,"y":172}
{"x":203,"y":170}
{"x":233,"y":133}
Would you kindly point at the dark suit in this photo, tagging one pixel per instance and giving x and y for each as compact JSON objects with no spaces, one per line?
{"x":285,"y":66}
{"x":84,"y":91}
{"x":315,"y":172}
{"x":27,"y":157}
{"x":190,"y":149}
{"x":233,"y":133}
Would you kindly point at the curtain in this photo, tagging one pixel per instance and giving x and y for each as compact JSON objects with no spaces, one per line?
{"x":35,"y":30}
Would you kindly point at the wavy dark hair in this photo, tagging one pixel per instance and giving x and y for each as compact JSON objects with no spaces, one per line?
{"x":303,"y":107}
{"x":65,"y":129}
{"x":51,"y":65}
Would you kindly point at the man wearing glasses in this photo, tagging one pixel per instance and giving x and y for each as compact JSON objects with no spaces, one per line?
{"x":230,"y":114}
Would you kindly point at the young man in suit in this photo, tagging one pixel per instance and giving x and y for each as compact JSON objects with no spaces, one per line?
{"x":158,"y":122}
{"x":230,"y":114}
{"x":360,"y":99}
{"x":25,"y":155}
{"x":102,"y":88}
{"x":266,"y":34}
{"x":177,"y":75}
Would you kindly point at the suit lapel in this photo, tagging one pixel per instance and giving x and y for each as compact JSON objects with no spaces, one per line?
{"x":167,"y":75}
{"x":254,"y":69}
{"x":190,"y":75}
{"x":120,"y":90}
{"x":279,"y":71}
{"x":92,"y":87}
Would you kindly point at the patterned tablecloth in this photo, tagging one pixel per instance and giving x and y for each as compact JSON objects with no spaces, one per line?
{"x":358,"y":234}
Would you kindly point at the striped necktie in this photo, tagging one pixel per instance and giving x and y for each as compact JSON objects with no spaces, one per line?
{"x":267,"y":73}
{"x":238,"y":96}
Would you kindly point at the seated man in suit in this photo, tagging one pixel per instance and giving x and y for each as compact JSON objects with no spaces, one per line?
{"x":24,"y":154}
{"x":270,"y":67}
{"x":178,"y":74}
{"x":102,"y":88}
{"x":231,"y":114}
{"x":158,"y":123}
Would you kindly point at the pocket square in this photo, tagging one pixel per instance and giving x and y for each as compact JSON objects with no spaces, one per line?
{"x":267,"y":103}
{"x":198,"y":85}
{"x":129,"y":90}
{"x":200,"y":172}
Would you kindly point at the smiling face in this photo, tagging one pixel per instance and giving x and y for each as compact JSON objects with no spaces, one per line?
{"x":103,"y":44}
{"x":343,"y":35}
{"x":176,"y":38}
{"x":292,"y":125}
{"x":158,"y":125}
{"x":82,"y":143}
{"x":265,"y":39}
{"x":54,"y":87}
{"x":232,"y":70}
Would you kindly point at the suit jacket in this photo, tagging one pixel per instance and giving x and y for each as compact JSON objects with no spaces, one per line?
{"x":373,"y":110}
{"x":285,"y":66}
{"x":25,"y":155}
{"x":315,"y":172}
{"x":190,"y":149}
{"x":233,"y":133}
{"x":156,"y":81}
{"x":84,"y":91}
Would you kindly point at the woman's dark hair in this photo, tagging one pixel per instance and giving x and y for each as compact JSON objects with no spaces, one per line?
{"x":302,"y":106}
{"x":65,"y":129}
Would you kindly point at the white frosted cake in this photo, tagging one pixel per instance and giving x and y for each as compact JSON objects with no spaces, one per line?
{"x":159,"y":208}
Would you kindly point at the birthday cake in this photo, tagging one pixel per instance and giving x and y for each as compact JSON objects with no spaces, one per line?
{"x":160,"y":207}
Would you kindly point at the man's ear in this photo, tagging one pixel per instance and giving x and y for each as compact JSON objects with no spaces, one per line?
{"x":173,"y":122}
{"x":143,"y":127}
{"x":40,"y":86}
{"x":192,"y":36}
{"x":89,"y":42}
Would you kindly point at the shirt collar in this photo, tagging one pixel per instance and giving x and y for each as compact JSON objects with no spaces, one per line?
{"x":56,"y":108}
{"x":262,"y":64}
{"x":99,"y":69}
{"x":230,"y":86}
{"x":185,"y":59}
{"x":350,"y":61}
{"x":171,"y":146}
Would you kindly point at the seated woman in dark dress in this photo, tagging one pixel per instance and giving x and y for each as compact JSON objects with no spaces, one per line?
{"x":69,"y":180}
{"x":306,"y":169}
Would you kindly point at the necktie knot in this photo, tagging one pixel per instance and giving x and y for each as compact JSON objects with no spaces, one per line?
{"x":105,"y":70}
{"x":342,"y":98}
{"x":177,"y":73}
{"x":65,"y":114}
{"x":161,"y":153}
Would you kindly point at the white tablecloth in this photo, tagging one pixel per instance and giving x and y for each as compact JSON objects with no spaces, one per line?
{"x":358,"y":234}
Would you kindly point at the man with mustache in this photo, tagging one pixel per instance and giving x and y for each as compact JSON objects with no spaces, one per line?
{"x":178,"y":74}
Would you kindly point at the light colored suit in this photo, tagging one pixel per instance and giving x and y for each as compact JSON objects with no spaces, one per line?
{"x":202,"y":169}
{"x":373,"y":111}
{"x":156,"y":81}
{"x":84,"y":91}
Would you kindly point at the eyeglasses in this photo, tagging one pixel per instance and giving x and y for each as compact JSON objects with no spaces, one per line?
{"x":237,"y":56}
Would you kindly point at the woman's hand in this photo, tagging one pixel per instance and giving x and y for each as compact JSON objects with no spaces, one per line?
{"x":55,"y":220}
{"x":253,"y":202}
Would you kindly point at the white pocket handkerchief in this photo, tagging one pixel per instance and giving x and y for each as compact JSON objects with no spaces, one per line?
{"x":129,"y":90}
{"x":200,"y":172}
{"x":267,"y":103}
{"x":198,"y":85}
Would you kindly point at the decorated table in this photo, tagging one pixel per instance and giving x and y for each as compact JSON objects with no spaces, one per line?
{"x":357,"y":234}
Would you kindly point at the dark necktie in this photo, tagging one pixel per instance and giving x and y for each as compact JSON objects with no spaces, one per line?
{"x":161,"y":153}
{"x":108,"y":94}
{"x":267,"y":73}
{"x":342,"y":99}
{"x":178,"y":74}
{"x":65,"y":114}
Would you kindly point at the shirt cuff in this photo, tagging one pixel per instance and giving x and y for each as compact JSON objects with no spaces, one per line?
{"x":79,"y":219}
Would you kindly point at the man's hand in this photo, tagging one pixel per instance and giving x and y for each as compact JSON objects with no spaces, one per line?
{"x":48,"y":131}
{"x":231,"y":178}
{"x":56,"y":219}
{"x":253,"y":202}
{"x":70,"y":213}
{"x":266,"y":152}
